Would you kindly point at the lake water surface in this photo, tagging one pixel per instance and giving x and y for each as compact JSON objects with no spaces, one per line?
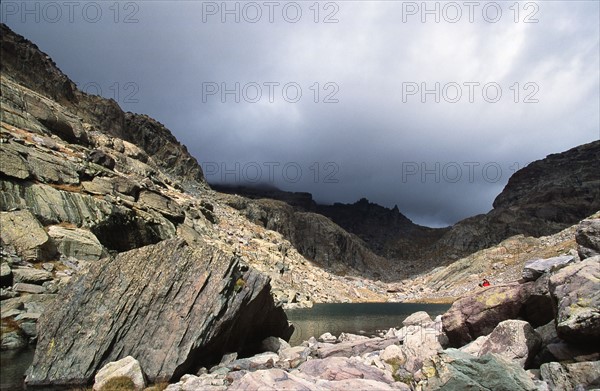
{"x":13,"y":364}
{"x":355,"y":318}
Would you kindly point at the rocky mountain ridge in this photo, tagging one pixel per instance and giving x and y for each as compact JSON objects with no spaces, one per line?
{"x":385,"y":232}
{"x":24,"y":64}
{"x":542,"y":198}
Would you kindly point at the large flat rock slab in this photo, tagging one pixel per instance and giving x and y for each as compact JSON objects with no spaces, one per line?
{"x":173,"y":307}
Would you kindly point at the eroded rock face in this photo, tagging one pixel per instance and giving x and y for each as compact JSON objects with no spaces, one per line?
{"x":313,"y":235}
{"x":571,"y":377}
{"x":576,"y":292}
{"x":23,"y":231}
{"x":479,"y":313}
{"x":588,"y":238}
{"x":172,"y":306}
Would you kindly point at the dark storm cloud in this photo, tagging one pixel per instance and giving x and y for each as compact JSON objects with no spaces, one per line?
{"x":439,"y":162}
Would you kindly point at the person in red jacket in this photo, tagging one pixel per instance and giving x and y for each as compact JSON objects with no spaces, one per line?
{"x":485,"y":282}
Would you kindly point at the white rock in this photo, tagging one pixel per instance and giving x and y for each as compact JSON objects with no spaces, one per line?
{"x":327,"y":338}
{"x":392,"y":352}
{"x":419,"y":318}
{"x":128,"y":366}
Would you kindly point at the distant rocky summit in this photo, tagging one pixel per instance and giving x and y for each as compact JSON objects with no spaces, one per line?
{"x":387,"y":232}
{"x":540,"y":199}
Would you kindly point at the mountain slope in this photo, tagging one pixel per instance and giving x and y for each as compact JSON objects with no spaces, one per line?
{"x":541,"y":199}
{"x":25,"y":65}
{"x":67,"y":165}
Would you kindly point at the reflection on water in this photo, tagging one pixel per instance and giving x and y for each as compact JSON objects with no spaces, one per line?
{"x":13,"y":364}
{"x":355,"y":318}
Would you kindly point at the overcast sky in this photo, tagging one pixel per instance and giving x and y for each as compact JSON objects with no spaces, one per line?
{"x":338,"y":108}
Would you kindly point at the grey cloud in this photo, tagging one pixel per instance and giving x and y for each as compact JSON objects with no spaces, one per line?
{"x":369,"y":54}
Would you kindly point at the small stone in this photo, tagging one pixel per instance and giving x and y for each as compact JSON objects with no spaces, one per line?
{"x":420,"y":318}
{"x":7,"y":293}
{"x":273,"y":344}
{"x":31,"y":276}
{"x":392,"y":352}
{"x":128,"y":367}
{"x":13,"y":312}
{"x":28,"y":288}
{"x":6,"y":277}
{"x":327,"y":338}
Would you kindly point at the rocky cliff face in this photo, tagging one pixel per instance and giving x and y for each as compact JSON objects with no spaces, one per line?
{"x":313,"y":235}
{"x":542,"y":198}
{"x":387,"y":232}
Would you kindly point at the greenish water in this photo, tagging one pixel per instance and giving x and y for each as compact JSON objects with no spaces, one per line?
{"x":13,"y":364}
{"x":355,"y":318}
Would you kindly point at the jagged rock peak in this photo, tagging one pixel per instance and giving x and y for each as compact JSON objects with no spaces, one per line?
{"x":28,"y":65}
{"x":364,"y":205}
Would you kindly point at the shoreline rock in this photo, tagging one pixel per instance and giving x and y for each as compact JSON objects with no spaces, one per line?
{"x":198,"y":298}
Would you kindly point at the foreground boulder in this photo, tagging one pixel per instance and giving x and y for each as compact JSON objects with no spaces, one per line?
{"x":534,"y":268}
{"x":76,"y":242}
{"x":23,"y":231}
{"x":272,"y":379}
{"x":514,"y":340}
{"x":478,"y":314}
{"x":454,"y":370}
{"x":172,"y":306}
{"x":576,"y":292}
{"x":353,"y":348}
{"x":569,"y":377}
{"x":588,"y":238}
{"x":420,"y":318}
{"x":419,"y":344}
{"x":339,"y":368}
